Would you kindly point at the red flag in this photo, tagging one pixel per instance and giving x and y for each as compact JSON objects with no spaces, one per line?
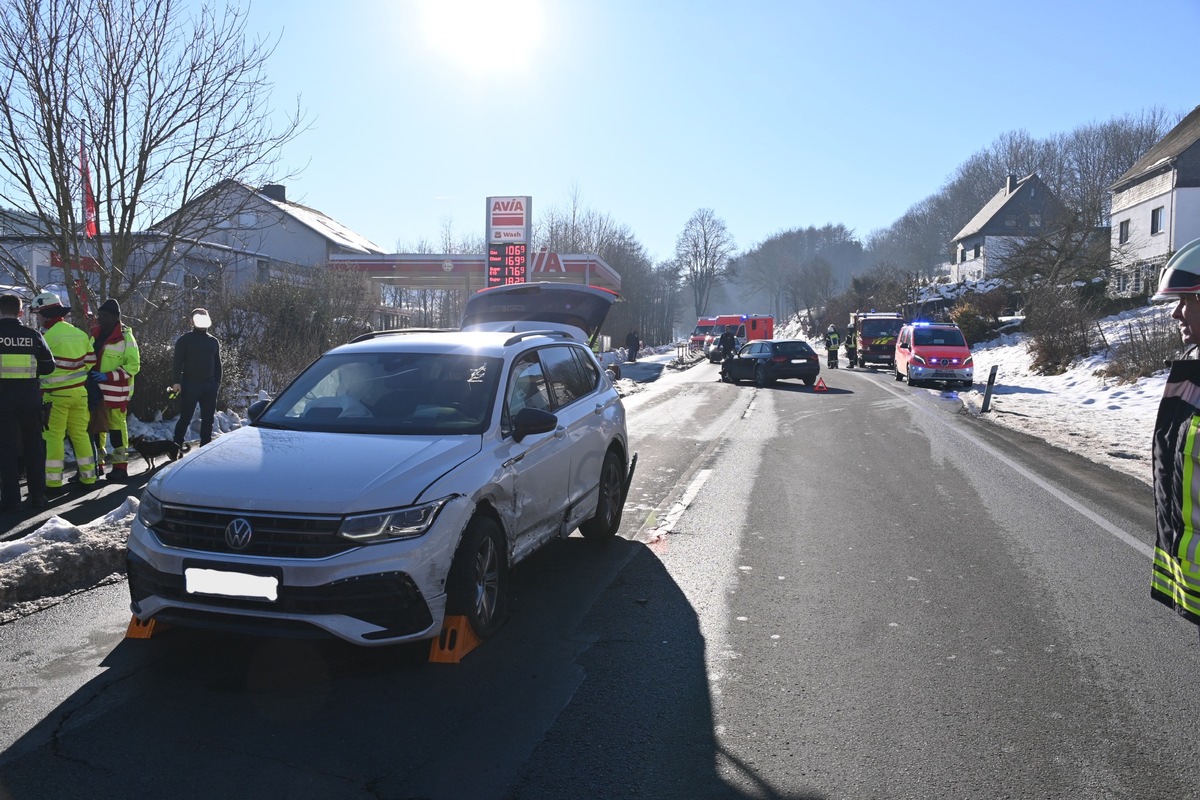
{"x":89,"y":199}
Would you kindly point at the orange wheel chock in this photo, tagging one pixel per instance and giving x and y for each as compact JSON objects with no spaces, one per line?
{"x":455,"y":641}
{"x":142,"y":630}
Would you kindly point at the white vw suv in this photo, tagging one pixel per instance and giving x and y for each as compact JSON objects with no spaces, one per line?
{"x":397,"y":479}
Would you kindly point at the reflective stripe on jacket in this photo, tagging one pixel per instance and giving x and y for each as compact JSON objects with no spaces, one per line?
{"x":73,"y":357}
{"x":120,"y":360}
{"x":18,"y":365}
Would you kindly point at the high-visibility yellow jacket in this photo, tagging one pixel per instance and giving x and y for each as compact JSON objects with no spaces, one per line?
{"x":73,"y":357}
{"x":120,"y":360}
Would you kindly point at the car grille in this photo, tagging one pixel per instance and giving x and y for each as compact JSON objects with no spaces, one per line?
{"x":275,"y":535}
{"x":389,"y":600}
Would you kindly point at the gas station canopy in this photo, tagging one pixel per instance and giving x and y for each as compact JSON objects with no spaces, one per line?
{"x":469,"y":271}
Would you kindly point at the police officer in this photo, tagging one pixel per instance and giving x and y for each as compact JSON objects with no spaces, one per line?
{"x":24,"y":355}
{"x":66,"y":389}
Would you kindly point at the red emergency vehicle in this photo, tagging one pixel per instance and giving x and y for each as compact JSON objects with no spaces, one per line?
{"x":703,"y":328}
{"x":875,"y":335}
{"x":746,"y":327}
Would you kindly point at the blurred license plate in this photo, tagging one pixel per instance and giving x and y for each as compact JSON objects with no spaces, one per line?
{"x":231,"y":584}
{"x":944,"y":374}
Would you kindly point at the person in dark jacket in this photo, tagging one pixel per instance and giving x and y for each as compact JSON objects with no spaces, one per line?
{"x":727,"y":342}
{"x":1175,"y":578}
{"x":632,"y":343}
{"x":24,"y":355}
{"x":197,"y":374}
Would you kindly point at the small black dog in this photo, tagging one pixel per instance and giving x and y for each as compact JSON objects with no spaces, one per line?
{"x":151,"y":449}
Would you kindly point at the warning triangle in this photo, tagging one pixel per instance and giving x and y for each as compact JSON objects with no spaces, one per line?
{"x":820,"y":387}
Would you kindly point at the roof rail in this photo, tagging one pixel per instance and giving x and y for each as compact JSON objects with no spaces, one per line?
{"x":526,"y":334}
{"x":362,"y":337}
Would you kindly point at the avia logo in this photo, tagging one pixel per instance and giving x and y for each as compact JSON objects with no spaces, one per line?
{"x":238,"y":533}
{"x":508,"y":212}
{"x":512,"y":205}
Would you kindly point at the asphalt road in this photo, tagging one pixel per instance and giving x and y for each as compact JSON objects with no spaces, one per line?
{"x":853,"y":593}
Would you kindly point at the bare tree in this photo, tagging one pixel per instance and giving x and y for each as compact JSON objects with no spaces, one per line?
{"x":166,"y":100}
{"x":703,"y":251}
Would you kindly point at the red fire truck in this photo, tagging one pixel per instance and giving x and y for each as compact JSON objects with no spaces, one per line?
{"x":875,"y":336}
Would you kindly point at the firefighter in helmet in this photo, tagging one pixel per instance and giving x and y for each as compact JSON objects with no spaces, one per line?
{"x":832,"y":343}
{"x":66,"y":389}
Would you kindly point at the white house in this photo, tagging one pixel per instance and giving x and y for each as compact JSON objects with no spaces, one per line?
{"x":1017,"y":211}
{"x":1156,"y":208}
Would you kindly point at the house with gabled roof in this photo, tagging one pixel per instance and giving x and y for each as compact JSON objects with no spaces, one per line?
{"x":257,"y":234}
{"x":1019,"y":210}
{"x":1156,"y":208}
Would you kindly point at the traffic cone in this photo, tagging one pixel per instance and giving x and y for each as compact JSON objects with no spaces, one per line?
{"x":820,"y":387}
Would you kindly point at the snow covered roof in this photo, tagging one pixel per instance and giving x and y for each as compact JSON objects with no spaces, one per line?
{"x":323,"y":224}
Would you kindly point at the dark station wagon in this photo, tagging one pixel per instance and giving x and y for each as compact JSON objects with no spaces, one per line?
{"x":766,"y":361}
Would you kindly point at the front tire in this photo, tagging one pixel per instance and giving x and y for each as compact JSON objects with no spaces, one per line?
{"x":477,"y":587}
{"x":603,"y":525}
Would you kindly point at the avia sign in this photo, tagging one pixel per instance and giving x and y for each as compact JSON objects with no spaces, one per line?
{"x":508,"y":219}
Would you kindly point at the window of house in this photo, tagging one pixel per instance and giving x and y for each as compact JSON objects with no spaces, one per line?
{"x":1035,"y":220}
{"x":1123,"y":232}
{"x":1156,"y":221}
{"x":263,"y":267}
{"x":1122,"y":282}
{"x":978,"y":250}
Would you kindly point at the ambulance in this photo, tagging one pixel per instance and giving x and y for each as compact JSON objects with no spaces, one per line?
{"x":746,"y":327}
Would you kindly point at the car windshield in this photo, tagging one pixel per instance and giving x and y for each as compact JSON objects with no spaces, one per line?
{"x":702,"y":330}
{"x":940,"y":337}
{"x":420,"y":394}
{"x":881,"y":327}
{"x":793,"y":348}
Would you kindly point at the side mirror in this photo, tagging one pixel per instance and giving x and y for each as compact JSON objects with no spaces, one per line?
{"x":256,"y":409}
{"x":529,"y":421}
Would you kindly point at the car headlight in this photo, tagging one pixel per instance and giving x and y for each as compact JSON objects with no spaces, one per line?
{"x":150,"y":510}
{"x":969,"y":361}
{"x":400,"y":523}
{"x":917,"y":357}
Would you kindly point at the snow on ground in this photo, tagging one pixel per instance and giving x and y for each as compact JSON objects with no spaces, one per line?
{"x":1079,"y":411}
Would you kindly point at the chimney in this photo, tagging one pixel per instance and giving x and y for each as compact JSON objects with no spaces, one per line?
{"x":1010,"y":185}
{"x":278,"y":192}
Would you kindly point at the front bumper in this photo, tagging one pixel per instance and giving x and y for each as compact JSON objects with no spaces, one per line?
{"x":375,"y":594}
{"x":922,"y":373}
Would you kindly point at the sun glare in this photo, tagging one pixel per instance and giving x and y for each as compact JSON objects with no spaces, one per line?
{"x":483,"y":36}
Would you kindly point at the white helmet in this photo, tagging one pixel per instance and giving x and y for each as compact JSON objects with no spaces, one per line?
{"x":47,"y":301}
{"x":1181,"y":275}
{"x":831,"y":328}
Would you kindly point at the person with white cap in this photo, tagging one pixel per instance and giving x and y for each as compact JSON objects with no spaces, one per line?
{"x":118,"y":360}
{"x":197,"y":374}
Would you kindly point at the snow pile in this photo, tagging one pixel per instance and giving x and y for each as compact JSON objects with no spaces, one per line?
{"x":59,"y":558}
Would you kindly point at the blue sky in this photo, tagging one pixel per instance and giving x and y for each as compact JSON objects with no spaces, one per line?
{"x":774,"y":114}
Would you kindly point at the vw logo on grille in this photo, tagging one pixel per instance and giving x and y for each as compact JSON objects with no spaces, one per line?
{"x":237,"y":533}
